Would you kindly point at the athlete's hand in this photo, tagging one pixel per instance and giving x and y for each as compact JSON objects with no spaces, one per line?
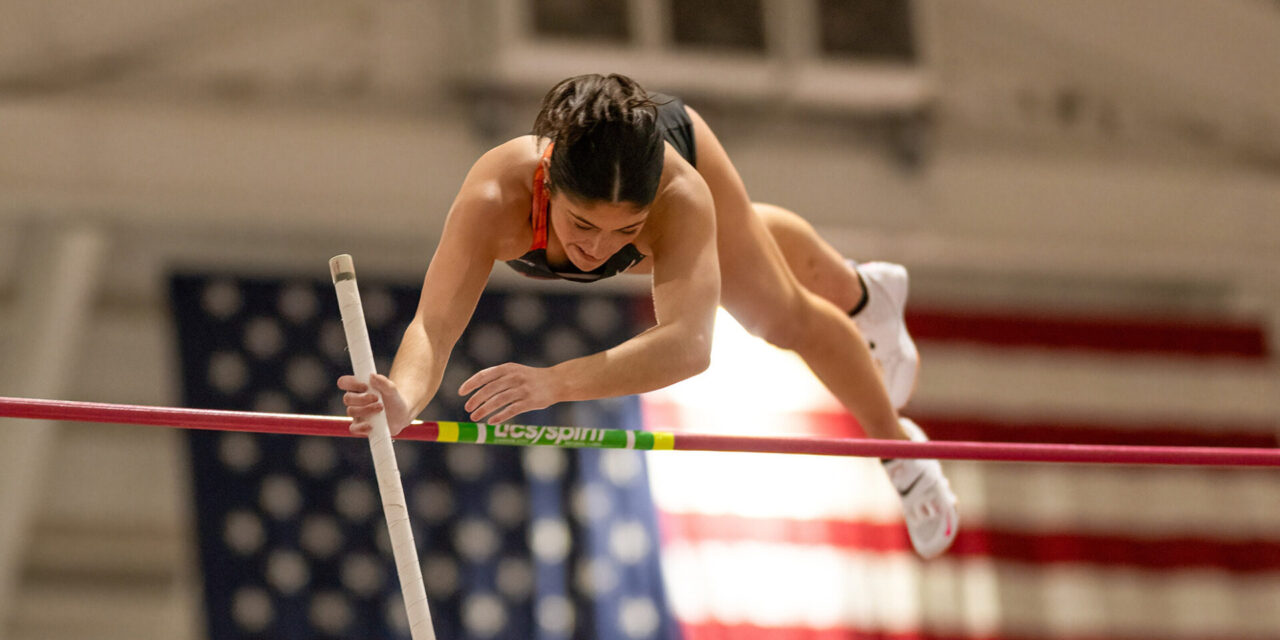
{"x":503,"y":392}
{"x":363,"y":403}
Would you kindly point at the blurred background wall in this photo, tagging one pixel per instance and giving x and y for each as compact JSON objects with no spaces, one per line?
{"x":1075,"y":158}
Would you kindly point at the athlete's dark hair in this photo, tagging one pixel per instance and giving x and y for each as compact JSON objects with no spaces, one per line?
{"x":607,"y":144}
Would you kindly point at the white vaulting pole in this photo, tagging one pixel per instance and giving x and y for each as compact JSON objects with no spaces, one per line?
{"x":342,"y":268}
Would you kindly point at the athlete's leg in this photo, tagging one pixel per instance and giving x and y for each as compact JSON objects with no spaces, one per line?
{"x":875,"y":293}
{"x":816,"y":264}
{"x":758,"y":287}
{"x":760,"y":291}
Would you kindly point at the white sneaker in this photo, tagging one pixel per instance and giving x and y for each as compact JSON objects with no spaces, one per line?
{"x":928,"y":504}
{"x":882,"y":324}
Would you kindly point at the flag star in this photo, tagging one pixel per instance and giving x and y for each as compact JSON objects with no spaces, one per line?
{"x":467,"y":462}
{"x":621,"y":467}
{"x":252,"y":609}
{"x":330,"y":611}
{"x":515,"y":578}
{"x":355,"y":500}
{"x":484,"y":615}
{"x":555,"y":614}
{"x":243,"y":532}
{"x":476,"y":539}
{"x":432,"y":501}
{"x":221,"y":299}
{"x":545,"y":463}
{"x":286,"y":571}
{"x":228,"y":372}
{"x":263,"y":338}
{"x":298,"y":303}
{"x":550,"y":540}
{"x":320,"y":535}
{"x":280,"y":496}
{"x":629,"y":541}
{"x":316,"y":457}
{"x":639,"y":618}
{"x":440,"y":574}
{"x":238,"y":451}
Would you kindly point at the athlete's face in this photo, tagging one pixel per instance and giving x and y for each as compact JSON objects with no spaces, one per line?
{"x":592,"y":231}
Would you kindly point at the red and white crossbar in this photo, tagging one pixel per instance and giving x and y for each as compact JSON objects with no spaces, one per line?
{"x":585,"y":437}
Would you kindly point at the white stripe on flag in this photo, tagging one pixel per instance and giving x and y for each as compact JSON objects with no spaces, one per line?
{"x":1196,"y":391}
{"x":1148,"y":501}
{"x":790,"y":586}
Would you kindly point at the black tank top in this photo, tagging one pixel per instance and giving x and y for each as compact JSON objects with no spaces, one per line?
{"x":676,"y":128}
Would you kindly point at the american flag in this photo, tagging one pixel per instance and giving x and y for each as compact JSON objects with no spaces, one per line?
{"x":806,"y":548}
{"x":515,"y":543}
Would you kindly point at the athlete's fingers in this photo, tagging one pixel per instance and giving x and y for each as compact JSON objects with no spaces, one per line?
{"x":486,"y":393}
{"x":481,"y":378}
{"x":364,"y":411}
{"x":351,"y":383}
{"x":510,"y":411}
{"x":499,"y":400}
{"x":487,"y":390}
{"x":479,"y":396}
{"x":361,"y":427}
{"x":382,"y":384}
{"x":353,"y":399}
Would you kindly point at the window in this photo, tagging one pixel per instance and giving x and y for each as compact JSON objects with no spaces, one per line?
{"x":851,"y":55}
{"x":604,"y":20}
{"x":720,"y":24}
{"x":867,"y":29}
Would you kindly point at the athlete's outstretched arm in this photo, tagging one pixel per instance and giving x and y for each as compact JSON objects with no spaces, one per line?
{"x":686,"y":292}
{"x":455,"y":279}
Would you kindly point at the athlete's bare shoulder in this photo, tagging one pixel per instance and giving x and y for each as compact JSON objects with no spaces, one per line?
{"x":517,"y":154}
{"x":498,"y":192}
{"x":505,"y":171}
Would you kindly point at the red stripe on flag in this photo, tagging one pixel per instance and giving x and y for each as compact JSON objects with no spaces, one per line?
{"x":1153,"y":434}
{"x":878,"y":537}
{"x":724,"y":631}
{"x":1192,"y":337}
{"x":727,"y":631}
{"x":1151,"y":553}
{"x":951,"y":427}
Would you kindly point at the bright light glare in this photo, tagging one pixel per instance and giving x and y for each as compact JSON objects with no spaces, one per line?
{"x":748,"y":379}
{"x":752,"y":387}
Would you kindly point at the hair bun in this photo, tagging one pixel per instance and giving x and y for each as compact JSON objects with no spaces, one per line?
{"x":606,"y":137}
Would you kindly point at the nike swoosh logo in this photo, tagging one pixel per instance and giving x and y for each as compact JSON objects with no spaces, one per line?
{"x":911,"y":486}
